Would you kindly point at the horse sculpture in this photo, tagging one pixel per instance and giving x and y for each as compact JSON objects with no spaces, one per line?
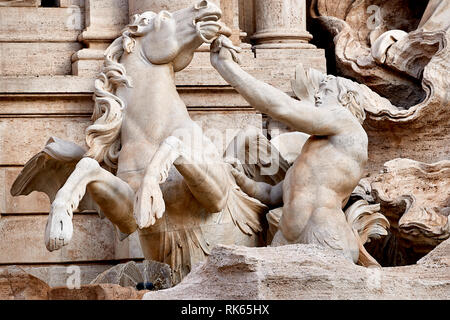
{"x":144,"y":169}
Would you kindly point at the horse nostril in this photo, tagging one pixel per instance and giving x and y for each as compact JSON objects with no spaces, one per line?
{"x":201,"y":5}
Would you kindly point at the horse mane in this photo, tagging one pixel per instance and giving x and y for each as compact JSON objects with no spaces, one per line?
{"x":103,"y":136}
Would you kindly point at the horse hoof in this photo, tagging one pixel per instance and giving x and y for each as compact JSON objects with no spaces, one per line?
{"x":149,"y":205}
{"x":59,"y":228}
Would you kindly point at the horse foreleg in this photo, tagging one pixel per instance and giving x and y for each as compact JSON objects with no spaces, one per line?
{"x":202,"y":168}
{"x":149,"y":203}
{"x":113,"y":195}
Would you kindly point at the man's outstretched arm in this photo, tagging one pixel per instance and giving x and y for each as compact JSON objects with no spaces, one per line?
{"x":299,"y":115}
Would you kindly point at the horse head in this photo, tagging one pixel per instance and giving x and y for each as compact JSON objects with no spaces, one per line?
{"x":173,"y":37}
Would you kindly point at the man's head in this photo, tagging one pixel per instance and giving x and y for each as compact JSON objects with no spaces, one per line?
{"x":336,"y":90}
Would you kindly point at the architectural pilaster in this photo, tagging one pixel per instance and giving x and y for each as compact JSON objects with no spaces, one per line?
{"x":104,"y":21}
{"x":281,"y":24}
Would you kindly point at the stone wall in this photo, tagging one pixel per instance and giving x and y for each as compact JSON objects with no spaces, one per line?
{"x":49,"y":57}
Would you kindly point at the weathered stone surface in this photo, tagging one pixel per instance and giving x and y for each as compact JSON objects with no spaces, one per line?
{"x":140,"y":6}
{"x":96,"y":292}
{"x":41,"y":104}
{"x":131,"y":274}
{"x":22,"y":138}
{"x":60,"y":276}
{"x":16,"y":284}
{"x":125,"y":275}
{"x":129,"y":248}
{"x":36,"y":202}
{"x":46,"y":84}
{"x":427,"y":144}
{"x":42,"y":58}
{"x":68,"y":3}
{"x":281,"y":24}
{"x":440,"y":256}
{"x":306,"y":272}
{"x":22,"y":240}
{"x":40,"y":24}
{"x":415,"y":196}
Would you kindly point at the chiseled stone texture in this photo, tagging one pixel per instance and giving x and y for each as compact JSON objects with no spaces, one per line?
{"x":60,"y":275}
{"x":22,"y":240}
{"x":45,"y":40}
{"x":41,"y":58}
{"x":130,"y":274}
{"x":16,"y":284}
{"x":41,"y":24}
{"x":308,"y":272}
{"x":104,"y":291}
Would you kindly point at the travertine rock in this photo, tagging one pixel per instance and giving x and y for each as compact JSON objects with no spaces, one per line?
{"x":440,"y":256}
{"x":96,"y":292}
{"x":415,"y":196}
{"x":61,"y":275}
{"x":308,"y":272}
{"x":131,"y":274}
{"x":16,"y":284}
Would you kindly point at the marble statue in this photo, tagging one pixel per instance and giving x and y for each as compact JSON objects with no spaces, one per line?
{"x":331,"y":162}
{"x":149,"y":167}
{"x":404,"y":57}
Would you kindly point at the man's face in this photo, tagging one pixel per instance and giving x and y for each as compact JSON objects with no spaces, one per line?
{"x":328,"y":93}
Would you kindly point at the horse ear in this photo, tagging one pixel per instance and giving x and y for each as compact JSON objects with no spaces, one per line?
{"x":135,"y":19}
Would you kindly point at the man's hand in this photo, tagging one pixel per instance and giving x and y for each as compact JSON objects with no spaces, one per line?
{"x":222,"y":49}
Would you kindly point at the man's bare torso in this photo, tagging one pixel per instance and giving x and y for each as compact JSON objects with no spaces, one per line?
{"x":329,"y":167}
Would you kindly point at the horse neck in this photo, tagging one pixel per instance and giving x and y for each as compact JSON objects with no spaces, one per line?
{"x":152,"y":80}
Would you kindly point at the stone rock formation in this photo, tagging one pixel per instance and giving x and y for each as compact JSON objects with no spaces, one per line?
{"x":415,"y":197}
{"x":308,"y":272}
{"x":423,"y":191}
{"x":131,"y":274}
{"x":103,"y":291}
{"x":16,"y":284}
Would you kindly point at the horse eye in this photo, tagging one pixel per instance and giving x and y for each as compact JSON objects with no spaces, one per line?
{"x":146,"y":21}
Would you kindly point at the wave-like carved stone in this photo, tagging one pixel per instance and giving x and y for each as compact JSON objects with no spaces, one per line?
{"x":412,"y":70}
{"x":415,"y":196}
